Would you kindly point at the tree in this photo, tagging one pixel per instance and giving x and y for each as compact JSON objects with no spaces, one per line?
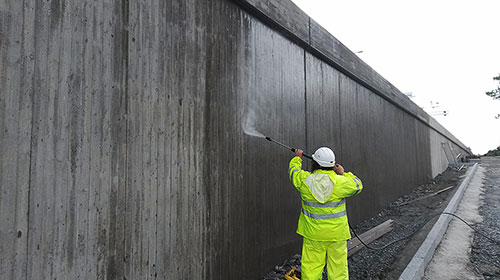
{"x":493,"y":153}
{"x":495,"y":94}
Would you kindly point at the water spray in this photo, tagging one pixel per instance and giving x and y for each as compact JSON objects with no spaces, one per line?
{"x":287,"y":147}
{"x":248,"y":126}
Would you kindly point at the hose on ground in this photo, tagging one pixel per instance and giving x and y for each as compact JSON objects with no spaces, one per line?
{"x":406,"y":237}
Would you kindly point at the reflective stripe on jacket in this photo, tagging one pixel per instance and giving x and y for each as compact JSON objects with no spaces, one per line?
{"x":323,"y":216}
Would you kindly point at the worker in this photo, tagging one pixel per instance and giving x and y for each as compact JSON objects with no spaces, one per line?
{"x":323,"y":218}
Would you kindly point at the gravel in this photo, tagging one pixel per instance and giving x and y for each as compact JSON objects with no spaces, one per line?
{"x":485,"y":255}
{"x":413,"y":220}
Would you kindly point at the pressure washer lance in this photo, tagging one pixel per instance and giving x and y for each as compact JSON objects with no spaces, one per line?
{"x":287,"y":147}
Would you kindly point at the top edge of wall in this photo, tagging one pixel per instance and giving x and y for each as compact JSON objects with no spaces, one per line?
{"x":288,"y":19}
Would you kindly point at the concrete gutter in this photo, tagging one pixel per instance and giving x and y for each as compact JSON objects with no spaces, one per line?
{"x":416,"y":268}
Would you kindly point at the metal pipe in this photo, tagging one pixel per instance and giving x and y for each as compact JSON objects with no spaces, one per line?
{"x":287,"y":147}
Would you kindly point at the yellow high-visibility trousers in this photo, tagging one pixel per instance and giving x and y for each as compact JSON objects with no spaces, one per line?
{"x":314,"y":254}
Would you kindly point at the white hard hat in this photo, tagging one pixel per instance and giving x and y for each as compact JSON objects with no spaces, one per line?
{"x":324,"y":157}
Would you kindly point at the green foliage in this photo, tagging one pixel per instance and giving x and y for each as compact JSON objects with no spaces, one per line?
{"x":495,"y":94}
{"x":493,"y":153}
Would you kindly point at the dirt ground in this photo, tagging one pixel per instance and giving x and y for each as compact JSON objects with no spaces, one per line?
{"x":413,"y":220}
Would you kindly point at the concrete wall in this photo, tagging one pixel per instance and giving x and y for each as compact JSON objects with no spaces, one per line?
{"x":121,"y":149}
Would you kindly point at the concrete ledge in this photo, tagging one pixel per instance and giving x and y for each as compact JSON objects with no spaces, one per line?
{"x":416,"y":268}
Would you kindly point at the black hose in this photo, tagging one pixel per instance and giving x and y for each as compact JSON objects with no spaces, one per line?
{"x":401,"y":239}
{"x":475,"y":230}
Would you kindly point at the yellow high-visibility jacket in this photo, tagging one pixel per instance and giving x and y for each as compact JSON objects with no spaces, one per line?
{"x":323,"y":216}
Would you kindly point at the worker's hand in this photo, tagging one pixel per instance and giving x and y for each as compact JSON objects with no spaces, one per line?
{"x":298,"y":153}
{"x":339,"y":169}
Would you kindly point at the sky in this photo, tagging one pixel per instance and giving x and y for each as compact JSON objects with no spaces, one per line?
{"x":444,"y":52}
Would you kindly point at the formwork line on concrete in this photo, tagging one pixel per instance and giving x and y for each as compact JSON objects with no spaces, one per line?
{"x":416,"y":268}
